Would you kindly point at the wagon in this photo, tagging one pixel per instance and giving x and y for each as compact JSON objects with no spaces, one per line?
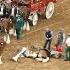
{"x":42,"y":7}
{"x":35,"y":7}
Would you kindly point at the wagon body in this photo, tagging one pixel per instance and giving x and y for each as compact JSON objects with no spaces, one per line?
{"x":42,"y":7}
{"x":38,"y":5}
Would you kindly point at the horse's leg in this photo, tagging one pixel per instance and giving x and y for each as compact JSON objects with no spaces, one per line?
{"x":14,"y":31}
{"x":39,"y":59}
{"x":8,"y":39}
{"x":27,"y":26}
{"x":15,"y":58}
{"x":45,"y":60}
{"x":0,"y":28}
{"x":1,"y":51}
{"x":5,"y":30}
{"x":0,"y":60}
{"x":0,"y":55}
{"x":6,"y":36}
{"x":11,"y":31}
{"x":24,"y":27}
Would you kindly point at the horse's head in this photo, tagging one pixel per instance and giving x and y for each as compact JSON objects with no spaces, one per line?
{"x":24,"y":12}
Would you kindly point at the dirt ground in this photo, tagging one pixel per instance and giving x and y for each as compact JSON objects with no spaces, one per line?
{"x":60,"y":19}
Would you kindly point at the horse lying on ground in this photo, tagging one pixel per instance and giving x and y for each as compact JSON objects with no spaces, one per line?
{"x":35,"y":53}
{"x":6,"y":25}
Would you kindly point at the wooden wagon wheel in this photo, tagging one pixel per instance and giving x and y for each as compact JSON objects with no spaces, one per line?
{"x":49,"y":10}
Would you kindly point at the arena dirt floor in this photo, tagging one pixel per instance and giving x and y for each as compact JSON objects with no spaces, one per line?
{"x":60,"y":19}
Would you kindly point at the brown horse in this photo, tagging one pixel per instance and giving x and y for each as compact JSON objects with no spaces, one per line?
{"x":24,"y":11}
{"x":6,"y":25}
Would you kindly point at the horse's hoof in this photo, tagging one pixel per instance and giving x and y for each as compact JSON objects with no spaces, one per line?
{"x":14,"y":59}
{"x":1,"y":62}
{"x":45,"y":60}
{"x":39,"y":59}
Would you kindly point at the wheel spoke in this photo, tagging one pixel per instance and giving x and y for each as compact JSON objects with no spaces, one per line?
{"x":49,"y":10}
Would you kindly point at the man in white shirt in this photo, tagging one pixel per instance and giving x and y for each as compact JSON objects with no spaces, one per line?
{"x":68,"y":48}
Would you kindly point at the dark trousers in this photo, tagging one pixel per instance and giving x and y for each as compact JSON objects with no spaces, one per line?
{"x":47,"y":46}
{"x":68,"y":53}
{"x":18,"y":33}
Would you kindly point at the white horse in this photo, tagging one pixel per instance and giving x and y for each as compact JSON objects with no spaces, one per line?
{"x":39,"y":54}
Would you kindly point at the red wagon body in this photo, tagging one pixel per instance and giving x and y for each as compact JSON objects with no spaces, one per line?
{"x":38,"y":5}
